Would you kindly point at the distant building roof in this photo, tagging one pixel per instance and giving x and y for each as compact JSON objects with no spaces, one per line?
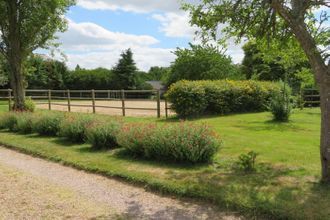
{"x":157,"y":85}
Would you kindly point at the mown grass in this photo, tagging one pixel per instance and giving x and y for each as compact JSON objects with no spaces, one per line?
{"x":285,"y":185}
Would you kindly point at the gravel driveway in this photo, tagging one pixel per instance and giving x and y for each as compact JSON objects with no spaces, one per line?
{"x":32,"y":188}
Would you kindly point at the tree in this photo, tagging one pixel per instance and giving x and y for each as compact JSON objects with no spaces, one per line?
{"x":278,"y":19}
{"x":26,"y":25}
{"x":273,"y":61}
{"x":201,"y":63}
{"x":45,"y":73}
{"x":125,"y":70}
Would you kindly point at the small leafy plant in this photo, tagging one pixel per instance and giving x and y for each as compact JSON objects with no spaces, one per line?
{"x":247,"y":162}
{"x":280,"y":104}
{"x":25,"y":123}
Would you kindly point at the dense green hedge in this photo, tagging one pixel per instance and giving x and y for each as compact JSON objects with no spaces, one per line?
{"x":191,"y":98}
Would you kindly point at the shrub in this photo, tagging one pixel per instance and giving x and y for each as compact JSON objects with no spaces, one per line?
{"x":187,"y":99}
{"x":48,"y":123}
{"x":132,"y":137}
{"x":246,"y":162}
{"x":184,"y":142}
{"x":73,"y":127}
{"x":29,"y":105}
{"x":191,"y":98}
{"x":103,"y":135}
{"x":280,"y":105}
{"x":25,"y":123}
{"x":9,"y":121}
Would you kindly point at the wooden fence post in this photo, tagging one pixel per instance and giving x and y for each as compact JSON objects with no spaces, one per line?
{"x":49,"y":99}
{"x":69,"y":100}
{"x":166,"y":108}
{"x":109,"y":95}
{"x":9,"y":99}
{"x":123,"y":101}
{"x":158,"y":104}
{"x":93,"y":101}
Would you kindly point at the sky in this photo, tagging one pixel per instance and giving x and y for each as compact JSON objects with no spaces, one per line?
{"x":99,"y":30}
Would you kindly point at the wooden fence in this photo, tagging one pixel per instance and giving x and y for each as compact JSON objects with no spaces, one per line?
{"x":67,"y":97}
{"x":311,"y":97}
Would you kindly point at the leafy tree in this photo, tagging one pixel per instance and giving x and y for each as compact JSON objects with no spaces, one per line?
{"x":279,"y":19}
{"x":45,"y":73}
{"x":125,"y":70}
{"x":26,"y":25}
{"x":99,"y":78}
{"x":273,"y":61}
{"x":157,"y":73}
{"x":201,"y":63}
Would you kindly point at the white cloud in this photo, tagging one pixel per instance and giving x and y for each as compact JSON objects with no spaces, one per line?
{"x":92,"y":46}
{"x":175,"y":24}
{"x":138,"y":6}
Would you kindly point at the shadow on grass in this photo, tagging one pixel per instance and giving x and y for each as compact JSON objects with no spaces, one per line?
{"x":270,"y":125}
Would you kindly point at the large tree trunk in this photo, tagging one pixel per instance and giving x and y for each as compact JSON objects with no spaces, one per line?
{"x":17,"y":83}
{"x":325,"y":128}
{"x":15,"y":57}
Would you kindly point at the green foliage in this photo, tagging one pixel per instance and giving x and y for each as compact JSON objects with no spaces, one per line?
{"x":48,"y":124}
{"x":103,"y":135}
{"x":25,"y":123}
{"x":191,"y":98}
{"x":281,"y":105}
{"x":201,"y":63}
{"x":29,"y":104}
{"x":99,"y":78}
{"x":125,"y":70}
{"x":46,"y":73}
{"x":73,"y":127}
{"x":246,"y":162}
{"x":184,"y":142}
{"x":273,"y":61}
{"x":9,"y":121}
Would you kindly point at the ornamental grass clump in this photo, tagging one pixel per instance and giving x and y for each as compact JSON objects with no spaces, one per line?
{"x":183,"y":142}
{"x":103,"y":135}
{"x":74,"y":126}
{"x":48,"y":123}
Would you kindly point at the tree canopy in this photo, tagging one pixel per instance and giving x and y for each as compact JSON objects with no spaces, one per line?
{"x":199,"y":62}
{"x":26,"y":25}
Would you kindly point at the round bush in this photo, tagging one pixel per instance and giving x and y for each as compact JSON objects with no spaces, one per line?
{"x":73,"y":127}
{"x":184,"y":142}
{"x":48,"y":123}
{"x":132,"y":137}
{"x":103,"y":135}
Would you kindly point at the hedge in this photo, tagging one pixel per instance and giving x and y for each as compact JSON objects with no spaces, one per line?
{"x":177,"y":142}
{"x":193,"y":98}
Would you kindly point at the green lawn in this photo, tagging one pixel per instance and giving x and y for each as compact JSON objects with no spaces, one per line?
{"x":285,"y":185}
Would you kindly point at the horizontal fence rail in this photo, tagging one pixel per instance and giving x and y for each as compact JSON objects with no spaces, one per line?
{"x":71,"y":98}
{"x":311,"y":97}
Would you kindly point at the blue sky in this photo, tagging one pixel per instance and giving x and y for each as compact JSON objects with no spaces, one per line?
{"x":99,"y":30}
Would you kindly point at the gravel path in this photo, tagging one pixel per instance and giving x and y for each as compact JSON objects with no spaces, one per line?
{"x":32,"y":188}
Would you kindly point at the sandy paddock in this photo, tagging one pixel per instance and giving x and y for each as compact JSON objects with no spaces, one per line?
{"x":111,"y":111}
